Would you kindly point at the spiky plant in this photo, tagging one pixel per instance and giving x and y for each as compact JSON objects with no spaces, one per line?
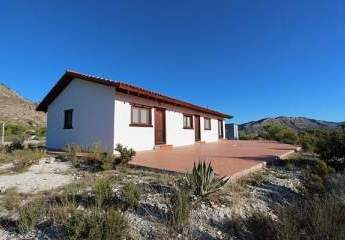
{"x":204,"y":181}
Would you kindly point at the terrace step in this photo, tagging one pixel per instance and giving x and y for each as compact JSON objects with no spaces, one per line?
{"x":163,"y":146}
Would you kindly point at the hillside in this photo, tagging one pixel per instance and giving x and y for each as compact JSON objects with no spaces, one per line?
{"x":16,"y":109}
{"x":296,"y":123}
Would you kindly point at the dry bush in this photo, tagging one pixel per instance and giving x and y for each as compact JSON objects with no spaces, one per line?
{"x":11,"y":200}
{"x":310,"y":219}
{"x":23,"y":159}
{"x":179,"y":209}
{"x":96,"y":224}
{"x":30,"y":214}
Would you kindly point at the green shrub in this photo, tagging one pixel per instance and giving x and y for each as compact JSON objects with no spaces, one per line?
{"x":126,"y":154}
{"x":331,"y":148}
{"x":77,"y":225}
{"x":15,"y":131}
{"x":41,"y":132}
{"x":103,"y":192}
{"x":313,"y":183}
{"x":279,"y":133}
{"x":96,"y":225}
{"x":30,"y":214}
{"x":321,"y":169}
{"x":11,"y":199}
{"x":246,"y":136}
{"x":116,"y":225}
{"x":179,"y":209}
{"x":131,"y":195}
{"x":203,"y":180}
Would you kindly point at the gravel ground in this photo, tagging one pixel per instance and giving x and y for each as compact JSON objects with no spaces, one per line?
{"x":149,"y":220}
{"x":46,"y":175}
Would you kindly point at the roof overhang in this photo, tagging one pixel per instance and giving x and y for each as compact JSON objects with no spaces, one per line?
{"x":121,"y":87}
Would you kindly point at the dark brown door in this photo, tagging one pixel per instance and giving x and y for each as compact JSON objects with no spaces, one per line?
{"x":220,"y":129}
{"x":159,"y":126}
{"x":197,"y":128}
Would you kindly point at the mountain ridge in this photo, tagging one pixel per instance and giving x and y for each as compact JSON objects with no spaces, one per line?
{"x":14,"y":108}
{"x":296,"y":123}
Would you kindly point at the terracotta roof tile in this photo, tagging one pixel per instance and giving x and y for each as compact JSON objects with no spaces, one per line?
{"x":122,"y":87}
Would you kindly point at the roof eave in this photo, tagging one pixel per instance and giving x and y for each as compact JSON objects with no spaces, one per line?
{"x":70,"y":75}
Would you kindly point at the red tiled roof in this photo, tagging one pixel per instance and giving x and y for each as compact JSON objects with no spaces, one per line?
{"x":121,"y":87}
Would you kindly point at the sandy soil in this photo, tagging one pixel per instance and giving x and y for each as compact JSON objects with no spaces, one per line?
{"x":46,"y":175}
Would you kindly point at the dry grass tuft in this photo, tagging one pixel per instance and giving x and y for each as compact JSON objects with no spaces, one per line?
{"x":23,"y":159}
{"x":11,"y":200}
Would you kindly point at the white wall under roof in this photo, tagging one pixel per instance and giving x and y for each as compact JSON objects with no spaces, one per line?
{"x":102,"y":115}
{"x":93,"y":116}
{"x":143,"y":138}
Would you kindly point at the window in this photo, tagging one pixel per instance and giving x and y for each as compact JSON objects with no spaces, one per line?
{"x":68,"y":119}
{"x":187,"y":121}
{"x":141,"y":116}
{"x":207,"y":123}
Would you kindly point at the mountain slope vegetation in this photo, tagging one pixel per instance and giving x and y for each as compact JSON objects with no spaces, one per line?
{"x":15,"y":109}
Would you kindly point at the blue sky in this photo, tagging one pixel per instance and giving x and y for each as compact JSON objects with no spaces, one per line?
{"x":251,"y":59}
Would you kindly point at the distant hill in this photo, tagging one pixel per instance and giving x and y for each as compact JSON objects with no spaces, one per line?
{"x":296,"y":123}
{"x":16,"y":109}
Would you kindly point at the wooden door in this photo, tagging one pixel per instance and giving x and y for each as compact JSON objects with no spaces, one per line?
{"x":197,"y":128}
{"x":159,"y":126}
{"x":220,"y":129}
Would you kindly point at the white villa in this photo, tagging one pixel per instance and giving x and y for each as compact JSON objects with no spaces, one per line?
{"x":85,"y":110}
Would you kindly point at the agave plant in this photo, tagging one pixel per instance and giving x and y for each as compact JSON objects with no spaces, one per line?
{"x":204,"y":181}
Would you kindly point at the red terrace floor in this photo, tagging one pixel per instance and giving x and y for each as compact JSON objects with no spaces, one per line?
{"x":228,"y":158}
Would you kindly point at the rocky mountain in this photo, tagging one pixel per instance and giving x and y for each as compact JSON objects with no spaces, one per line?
{"x":296,"y":123}
{"x":16,"y":109}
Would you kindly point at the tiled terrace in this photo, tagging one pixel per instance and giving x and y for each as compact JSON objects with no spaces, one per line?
{"x":229,"y":158}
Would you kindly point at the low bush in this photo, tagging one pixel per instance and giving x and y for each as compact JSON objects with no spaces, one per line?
{"x":311,"y":219}
{"x":179,"y":209}
{"x":103,"y":192}
{"x":40,"y":132}
{"x":116,"y":225}
{"x":96,"y":224}
{"x":126,"y":154}
{"x":335,"y":185}
{"x":257,"y":226}
{"x":71,"y":154}
{"x":321,"y":169}
{"x":279,"y":133}
{"x":17,"y":144}
{"x":30,"y":214}
{"x":203,"y":180}
{"x":131,"y":195}
{"x":25,"y":158}
{"x":95,"y":159}
{"x":11,"y":199}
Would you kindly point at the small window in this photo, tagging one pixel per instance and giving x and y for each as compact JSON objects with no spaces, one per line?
{"x":141,"y":116}
{"x":187,"y":121}
{"x":68,"y":119}
{"x":207,"y":123}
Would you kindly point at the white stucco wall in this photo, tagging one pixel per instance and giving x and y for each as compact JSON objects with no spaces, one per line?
{"x":143,"y":138}
{"x":209,"y":135}
{"x":138,"y":138}
{"x":93,"y":116}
